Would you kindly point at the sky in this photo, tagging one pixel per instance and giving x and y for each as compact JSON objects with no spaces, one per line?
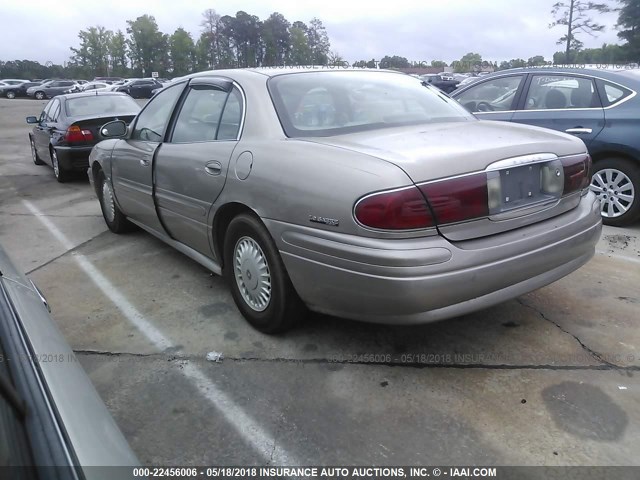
{"x":420,"y":30}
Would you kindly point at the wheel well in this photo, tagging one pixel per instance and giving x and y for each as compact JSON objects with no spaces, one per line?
{"x":613,"y":154}
{"x":223,"y":217}
{"x":95,"y":169}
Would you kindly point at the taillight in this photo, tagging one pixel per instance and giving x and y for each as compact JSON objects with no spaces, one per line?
{"x":75,"y":134}
{"x":459,"y":198}
{"x":577,"y":173}
{"x":403,"y":209}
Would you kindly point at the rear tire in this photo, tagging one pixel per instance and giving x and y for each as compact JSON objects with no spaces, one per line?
{"x":61,"y":174}
{"x":260,"y":285}
{"x":34,"y":153}
{"x":113,"y":216}
{"x":40,"y":96}
{"x":11,"y":94}
{"x":616,"y":182}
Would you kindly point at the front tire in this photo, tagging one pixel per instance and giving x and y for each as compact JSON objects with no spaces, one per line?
{"x":11,"y":94}
{"x":113,"y":216}
{"x":259,"y":282}
{"x":616,"y":182}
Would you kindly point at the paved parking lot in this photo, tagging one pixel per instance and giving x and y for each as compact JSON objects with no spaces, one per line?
{"x":550,"y":378}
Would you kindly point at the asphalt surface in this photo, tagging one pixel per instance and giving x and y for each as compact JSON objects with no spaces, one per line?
{"x":550,"y":378}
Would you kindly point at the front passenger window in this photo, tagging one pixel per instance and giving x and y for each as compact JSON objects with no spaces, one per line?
{"x":495,"y":95}
{"x":152,"y":121}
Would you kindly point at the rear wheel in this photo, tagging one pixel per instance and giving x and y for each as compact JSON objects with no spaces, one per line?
{"x":11,"y":94}
{"x":113,"y":216}
{"x":259,"y":282}
{"x":40,"y":96}
{"x":34,"y":153}
{"x":616,"y":182}
{"x":60,"y":173}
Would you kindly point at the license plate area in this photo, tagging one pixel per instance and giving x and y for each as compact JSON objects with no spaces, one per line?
{"x":524,"y":186}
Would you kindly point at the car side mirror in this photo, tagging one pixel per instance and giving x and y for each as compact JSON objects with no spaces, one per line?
{"x":114,"y":129}
{"x":32,"y":119}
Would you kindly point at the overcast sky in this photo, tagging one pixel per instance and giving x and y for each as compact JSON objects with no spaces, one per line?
{"x":420,"y":30}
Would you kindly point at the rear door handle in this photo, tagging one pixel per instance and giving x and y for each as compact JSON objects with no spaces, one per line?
{"x":144,"y":161}
{"x":579,"y":131}
{"x":213,"y":168}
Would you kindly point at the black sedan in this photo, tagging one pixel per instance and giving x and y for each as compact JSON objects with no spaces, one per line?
{"x":602,"y":107}
{"x":140,"y":88}
{"x":68,"y":127}
{"x":18,"y":90}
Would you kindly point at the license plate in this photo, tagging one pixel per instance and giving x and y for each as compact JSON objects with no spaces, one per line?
{"x":520,"y":187}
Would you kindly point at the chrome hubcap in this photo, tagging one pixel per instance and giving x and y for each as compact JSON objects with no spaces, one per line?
{"x":107,"y":202}
{"x":252,"y":274}
{"x":615,"y":191}
{"x":54,"y":160}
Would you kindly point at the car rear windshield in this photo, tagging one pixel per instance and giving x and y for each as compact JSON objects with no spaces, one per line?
{"x":336,"y":102}
{"x":100,"y":104}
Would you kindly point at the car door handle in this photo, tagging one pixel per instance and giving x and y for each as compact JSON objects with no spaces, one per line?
{"x":213,"y":168}
{"x":579,"y":131}
{"x":145,"y":161}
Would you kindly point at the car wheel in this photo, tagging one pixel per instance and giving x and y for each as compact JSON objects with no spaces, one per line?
{"x":34,"y":153}
{"x":11,"y":94}
{"x":259,"y":282}
{"x":40,"y":96}
{"x":61,"y":174}
{"x":616,"y":182}
{"x":113,"y":216}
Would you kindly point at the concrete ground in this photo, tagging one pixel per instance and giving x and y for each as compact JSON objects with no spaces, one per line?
{"x":550,"y":378}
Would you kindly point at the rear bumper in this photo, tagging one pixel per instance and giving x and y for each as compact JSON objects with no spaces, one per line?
{"x":74,"y":158}
{"x":428,"y":279}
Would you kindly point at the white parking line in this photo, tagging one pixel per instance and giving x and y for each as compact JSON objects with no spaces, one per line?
{"x":246,"y":427}
{"x":618,"y":256}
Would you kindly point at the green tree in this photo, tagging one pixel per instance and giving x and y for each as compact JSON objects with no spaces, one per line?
{"x":318,"y":41}
{"x":247,"y":40}
{"x":208,"y":43}
{"x":394,"y":61}
{"x":300,"y":50}
{"x":93,"y":53}
{"x":118,"y":54}
{"x":277,"y":40}
{"x":468,"y":63}
{"x":536,"y":61}
{"x":576,"y":16}
{"x":438,"y":64}
{"x":148,"y":46}
{"x":629,"y":25}
{"x":183,"y":52}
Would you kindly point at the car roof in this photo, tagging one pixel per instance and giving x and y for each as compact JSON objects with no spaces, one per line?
{"x":277,"y":71}
{"x":92,"y":93}
{"x":614,"y":74}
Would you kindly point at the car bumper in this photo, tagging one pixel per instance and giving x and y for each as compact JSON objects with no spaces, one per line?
{"x":428,"y":279}
{"x":74,"y":158}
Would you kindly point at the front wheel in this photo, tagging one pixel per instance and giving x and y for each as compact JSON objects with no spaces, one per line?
{"x":11,"y":94}
{"x":259,"y":282}
{"x":616,"y":182}
{"x":34,"y":153}
{"x":113,"y":216}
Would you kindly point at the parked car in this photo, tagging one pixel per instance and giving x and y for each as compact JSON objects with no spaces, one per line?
{"x":89,"y":86}
{"x":68,"y":126}
{"x":354,"y":193}
{"x":601,"y":107}
{"x":107,"y":79}
{"x":141,"y":88}
{"x":446,"y":86}
{"x":50,"y":89}
{"x":13,"y":81}
{"x":51,"y":413}
{"x":13,"y":91}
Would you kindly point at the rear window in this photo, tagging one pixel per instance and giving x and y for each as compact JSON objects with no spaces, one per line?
{"x":334,"y":103}
{"x":101,"y":104}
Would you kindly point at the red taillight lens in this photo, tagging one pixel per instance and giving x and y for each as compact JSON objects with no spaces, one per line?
{"x":458,"y":199}
{"x":577,"y":173}
{"x":76,"y":134}
{"x":404,"y":209}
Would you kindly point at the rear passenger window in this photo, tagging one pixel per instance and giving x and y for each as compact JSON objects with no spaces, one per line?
{"x":613,"y":93}
{"x":201,"y":117}
{"x":556,"y":92}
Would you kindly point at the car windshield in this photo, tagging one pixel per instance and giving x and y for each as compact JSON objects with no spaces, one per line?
{"x":100,"y":104}
{"x":334,"y":103}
